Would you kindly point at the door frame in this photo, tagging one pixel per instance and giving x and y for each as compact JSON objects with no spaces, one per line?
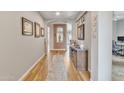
{"x":54,"y":35}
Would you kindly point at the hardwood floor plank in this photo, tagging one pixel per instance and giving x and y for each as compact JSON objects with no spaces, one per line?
{"x":40,"y":71}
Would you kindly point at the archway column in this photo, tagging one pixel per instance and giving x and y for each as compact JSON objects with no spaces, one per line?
{"x":101,"y":46}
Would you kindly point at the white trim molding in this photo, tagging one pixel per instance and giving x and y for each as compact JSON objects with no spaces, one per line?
{"x":22,"y":77}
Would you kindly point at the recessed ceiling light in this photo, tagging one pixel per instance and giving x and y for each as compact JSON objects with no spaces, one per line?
{"x":57,"y":13}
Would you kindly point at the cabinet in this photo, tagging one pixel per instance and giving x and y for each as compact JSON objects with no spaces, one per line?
{"x":82,"y":61}
{"x":79,"y":58}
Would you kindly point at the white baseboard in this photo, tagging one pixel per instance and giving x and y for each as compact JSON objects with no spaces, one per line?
{"x":22,"y":77}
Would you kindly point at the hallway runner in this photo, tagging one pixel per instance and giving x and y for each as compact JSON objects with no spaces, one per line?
{"x":56,"y":69}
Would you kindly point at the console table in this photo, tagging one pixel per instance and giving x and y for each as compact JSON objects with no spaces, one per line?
{"x":79,"y":57}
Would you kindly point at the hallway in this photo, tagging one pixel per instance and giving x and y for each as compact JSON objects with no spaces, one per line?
{"x":54,"y":67}
{"x":61,"y":46}
{"x":33,"y":45}
{"x":53,"y":46}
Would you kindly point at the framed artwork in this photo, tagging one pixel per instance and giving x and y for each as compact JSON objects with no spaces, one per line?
{"x":81,"y":32}
{"x":83,"y":20}
{"x":42,"y":32}
{"x":27,"y":27}
{"x":37,"y":29}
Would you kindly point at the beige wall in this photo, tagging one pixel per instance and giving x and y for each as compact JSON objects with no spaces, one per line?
{"x":94,"y":46}
{"x":101,"y":45}
{"x":88,"y":38}
{"x":18,"y":53}
{"x":104,"y":45}
{"x":87,"y":41}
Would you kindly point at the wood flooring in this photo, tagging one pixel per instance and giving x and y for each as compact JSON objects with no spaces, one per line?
{"x":41,"y":70}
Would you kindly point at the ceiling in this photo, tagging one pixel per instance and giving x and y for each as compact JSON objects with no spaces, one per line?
{"x":51,"y":15}
{"x":118,"y":15}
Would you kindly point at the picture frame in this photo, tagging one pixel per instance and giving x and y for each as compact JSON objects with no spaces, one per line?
{"x":83,"y":19}
{"x":81,"y":32}
{"x":42,"y":32}
{"x":27,"y":27}
{"x":37,"y":29}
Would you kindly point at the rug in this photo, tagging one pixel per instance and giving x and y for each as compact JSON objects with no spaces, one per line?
{"x":56,"y":69}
